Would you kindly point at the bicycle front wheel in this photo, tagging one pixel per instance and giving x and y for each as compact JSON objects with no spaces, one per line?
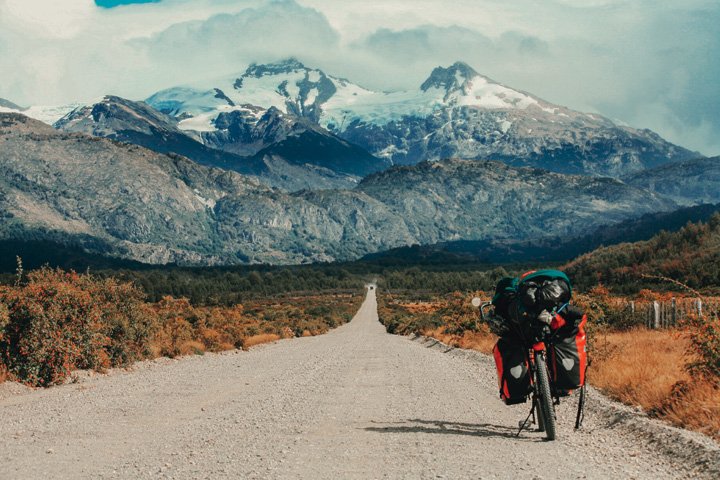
{"x":546,"y":409}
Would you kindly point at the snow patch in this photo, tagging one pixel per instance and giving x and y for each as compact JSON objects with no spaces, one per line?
{"x":51,"y":114}
{"x":200,"y":123}
{"x":311,"y":96}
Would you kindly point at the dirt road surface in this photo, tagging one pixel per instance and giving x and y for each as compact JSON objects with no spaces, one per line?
{"x":355,"y":403}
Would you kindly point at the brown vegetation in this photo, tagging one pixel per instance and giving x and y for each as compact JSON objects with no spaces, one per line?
{"x":53,"y":322}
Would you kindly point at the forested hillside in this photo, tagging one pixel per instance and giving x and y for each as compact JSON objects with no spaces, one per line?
{"x":690,"y":255}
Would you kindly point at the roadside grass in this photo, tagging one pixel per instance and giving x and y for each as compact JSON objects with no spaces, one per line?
{"x":639,"y":367}
{"x":260,"y":339}
{"x":652,"y":369}
{"x":53,"y":322}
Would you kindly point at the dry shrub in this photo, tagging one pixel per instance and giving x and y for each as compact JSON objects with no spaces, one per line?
{"x":259,"y":339}
{"x":423,"y":307}
{"x":191,"y":347}
{"x":59,"y":321}
{"x":640,"y":366}
{"x":694,"y":405}
{"x":173,"y":334}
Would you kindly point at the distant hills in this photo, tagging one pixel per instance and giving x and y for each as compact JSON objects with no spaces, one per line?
{"x":553,"y":250}
{"x":690,"y":255}
{"x":158,"y":208}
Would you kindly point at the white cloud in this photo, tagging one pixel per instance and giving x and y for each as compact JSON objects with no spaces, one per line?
{"x":649,"y":64}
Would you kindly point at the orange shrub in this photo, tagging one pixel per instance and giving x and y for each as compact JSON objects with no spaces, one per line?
{"x":60,"y":321}
{"x":174,"y":333}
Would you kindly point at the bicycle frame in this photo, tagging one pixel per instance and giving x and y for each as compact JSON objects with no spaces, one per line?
{"x":538,"y":347}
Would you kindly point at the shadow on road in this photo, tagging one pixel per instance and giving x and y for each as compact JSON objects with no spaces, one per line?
{"x":451,"y":428}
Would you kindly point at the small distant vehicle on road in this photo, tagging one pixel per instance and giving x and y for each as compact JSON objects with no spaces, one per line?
{"x":541,"y":353}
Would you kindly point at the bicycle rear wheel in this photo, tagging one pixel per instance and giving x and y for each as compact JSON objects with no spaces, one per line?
{"x":546,"y":410}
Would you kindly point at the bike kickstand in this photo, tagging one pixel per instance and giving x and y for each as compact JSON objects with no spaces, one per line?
{"x":524,"y":424}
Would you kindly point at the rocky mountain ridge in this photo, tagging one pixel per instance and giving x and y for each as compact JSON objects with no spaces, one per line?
{"x":689,"y":182}
{"x":156,"y":208}
{"x":278,"y":149}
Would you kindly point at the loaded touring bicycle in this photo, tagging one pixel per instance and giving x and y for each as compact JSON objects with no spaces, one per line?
{"x":541,"y":353}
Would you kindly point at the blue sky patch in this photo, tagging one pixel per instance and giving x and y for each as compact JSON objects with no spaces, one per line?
{"x":115,"y":3}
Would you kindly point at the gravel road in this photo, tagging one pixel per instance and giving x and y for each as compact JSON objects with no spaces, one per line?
{"x":354,"y":403}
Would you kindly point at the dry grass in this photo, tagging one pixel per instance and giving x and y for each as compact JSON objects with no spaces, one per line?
{"x":191,"y":347}
{"x":259,"y":339}
{"x":639,"y":367}
{"x":695,"y":406}
{"x":647,"y":368}
{"x":481,"y":341}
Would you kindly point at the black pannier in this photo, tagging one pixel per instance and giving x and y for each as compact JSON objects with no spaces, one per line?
{"x":512,"y":370}
{"x":568,"y":351}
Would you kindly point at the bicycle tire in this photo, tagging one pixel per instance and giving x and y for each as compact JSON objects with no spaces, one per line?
{"x":539,"y":415}
{"x":544,"y":397}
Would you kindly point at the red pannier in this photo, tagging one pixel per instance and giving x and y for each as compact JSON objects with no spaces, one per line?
{"x":512,"y":370}
{"x":568,"y":351}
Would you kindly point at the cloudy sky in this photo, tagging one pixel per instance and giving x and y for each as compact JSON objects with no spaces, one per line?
{"x":649,"y":63}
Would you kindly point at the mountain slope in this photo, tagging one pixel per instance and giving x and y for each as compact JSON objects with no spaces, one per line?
{"x":557,"y":249}
{"x":456,"y":112}
{"x":135,"y":122}
{"x":688,"y":182}
{"x":7,"y":104}
{"x":281,"y":150}
{"x":141,"y":205}
{"x":690,"y":255}
{"x":150,"y":207}
{"x":459,"y":199}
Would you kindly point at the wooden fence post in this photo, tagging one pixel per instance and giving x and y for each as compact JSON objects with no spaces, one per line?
{"x":674,"y":312}
{"x":656,"y":315}
{"x":699,"y":307}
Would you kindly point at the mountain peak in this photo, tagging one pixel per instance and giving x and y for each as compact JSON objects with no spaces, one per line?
{"x":450,"y":78}
{"x":284,"y":66}
{"x":10,"y":105}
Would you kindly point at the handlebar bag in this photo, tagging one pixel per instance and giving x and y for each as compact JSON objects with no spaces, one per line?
{"x":512,"y":370}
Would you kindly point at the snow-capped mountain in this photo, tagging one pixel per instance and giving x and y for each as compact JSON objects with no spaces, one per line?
{"x":280,"y":149}
{"x":45,"y":113}
{"x":456,"y":112}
